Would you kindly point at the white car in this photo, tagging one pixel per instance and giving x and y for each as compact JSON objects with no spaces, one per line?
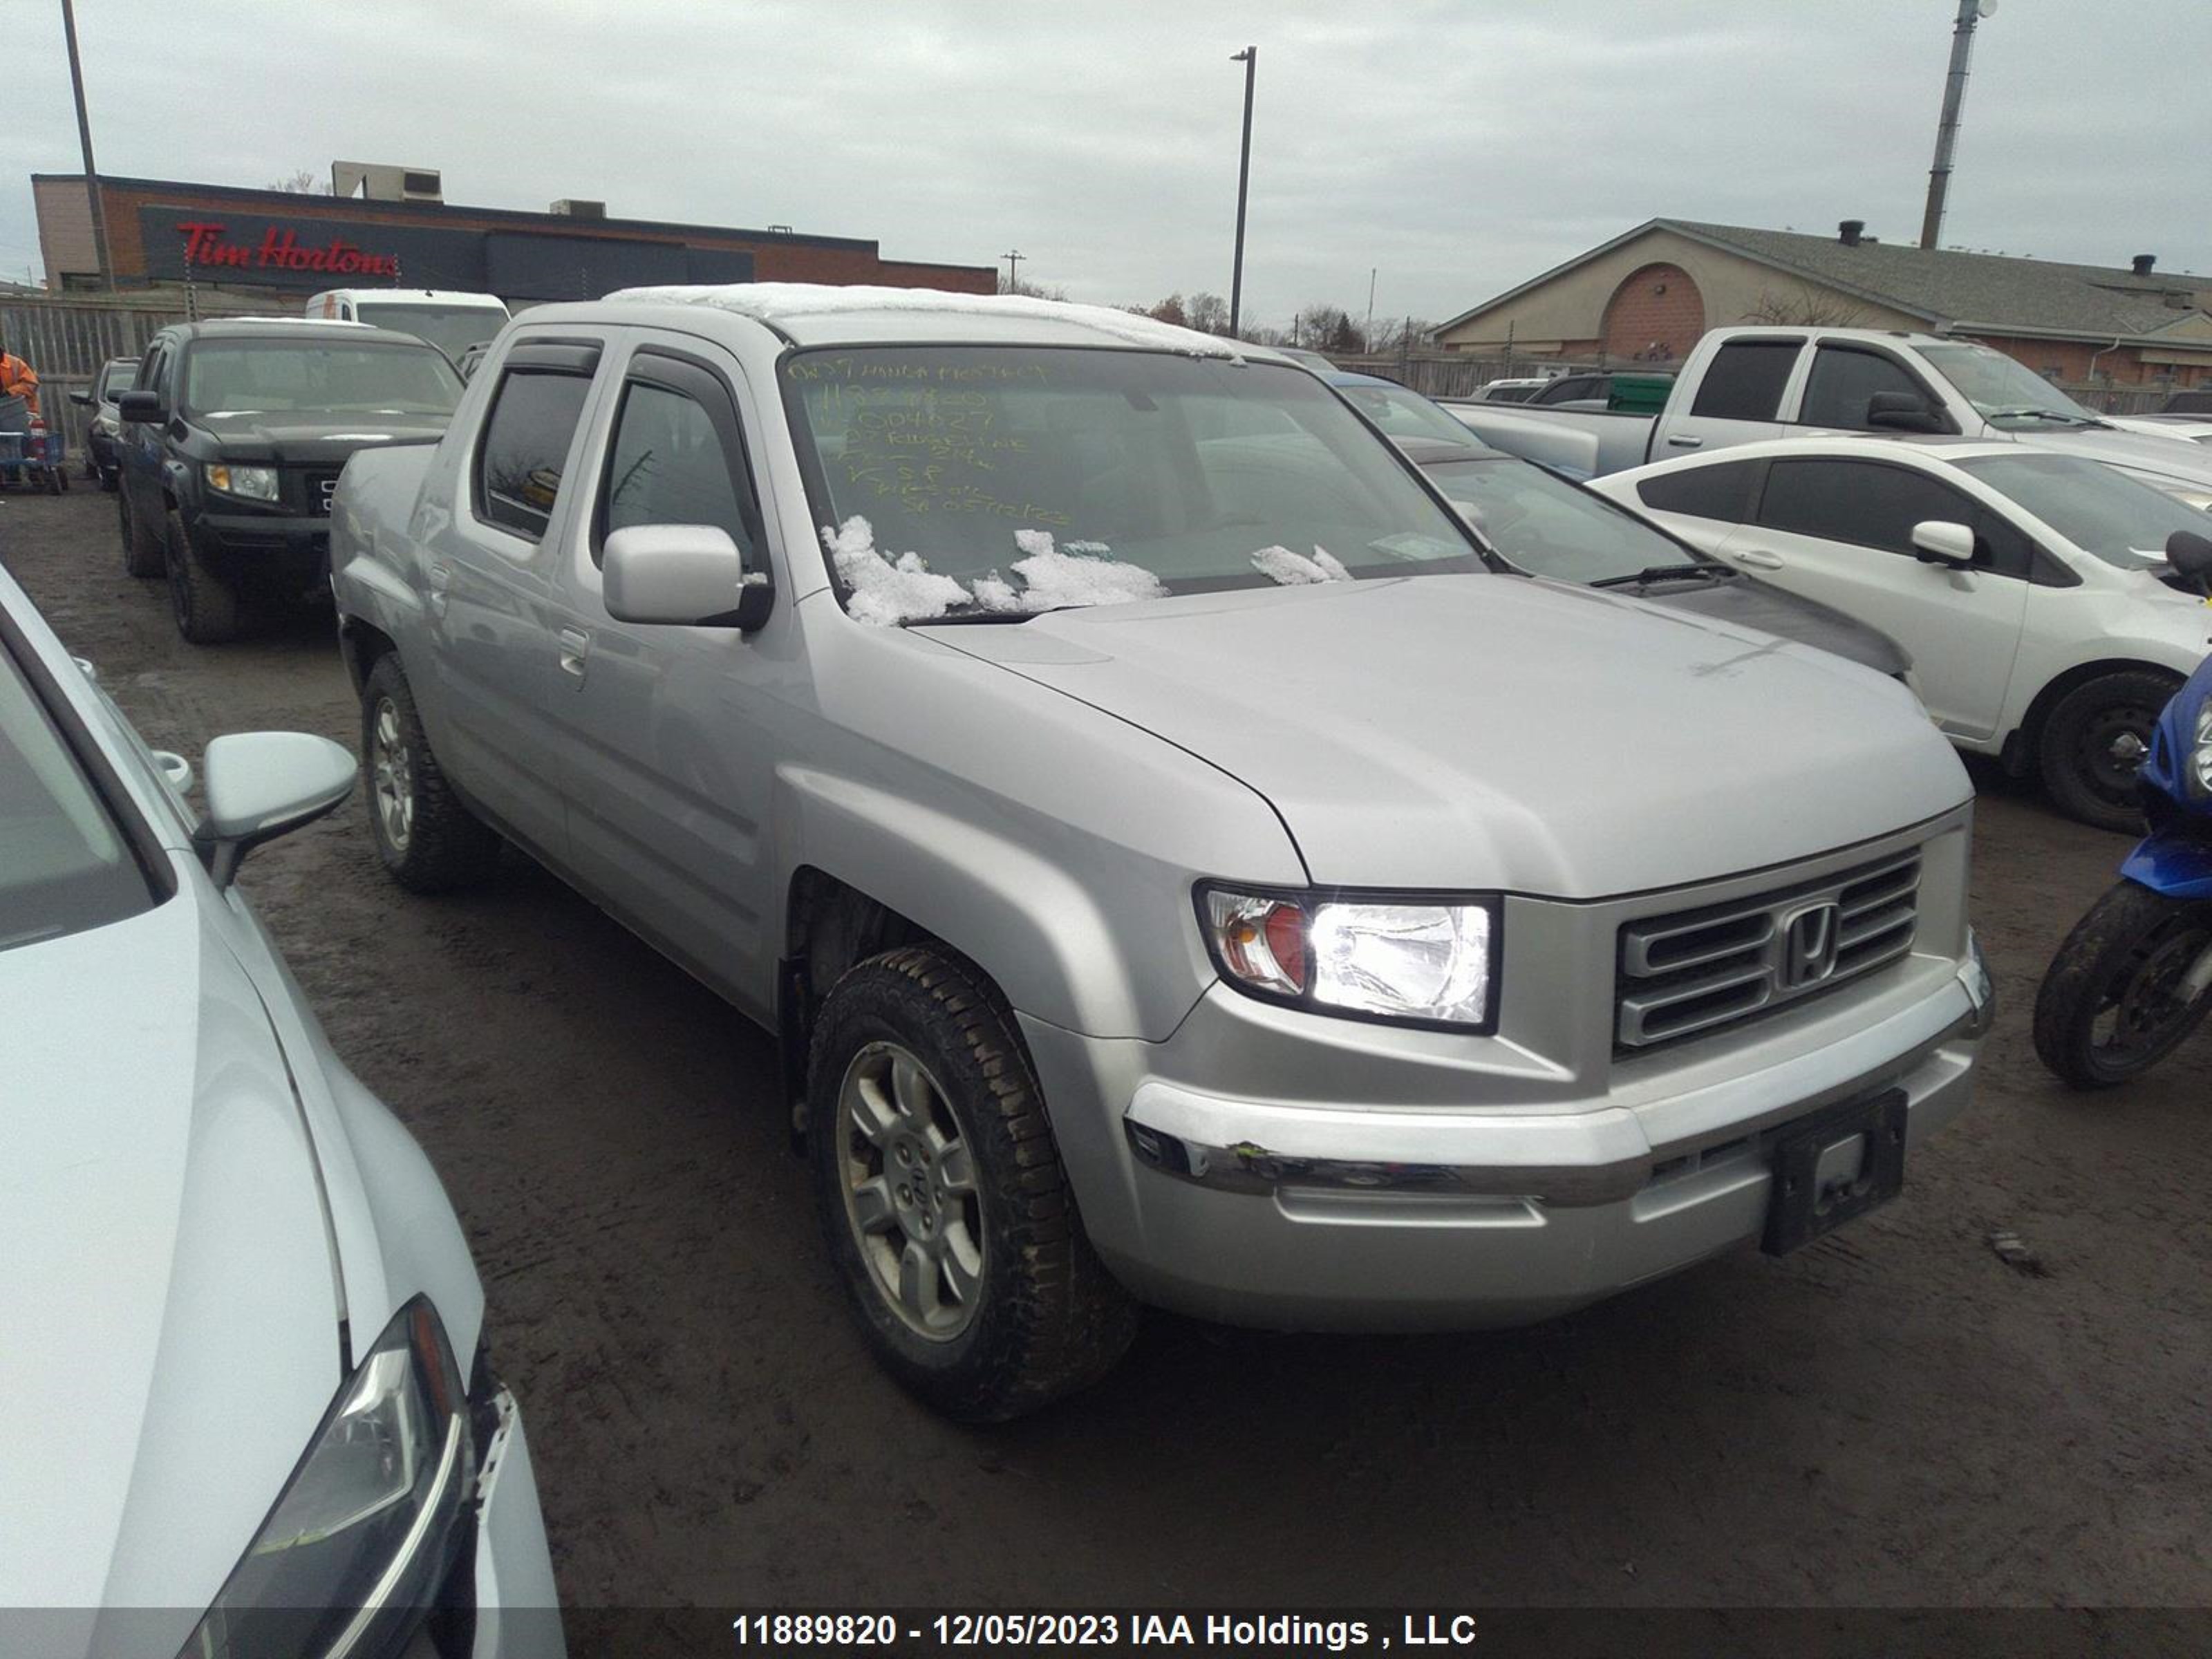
{"x":2032,"y":589}
{"x":247,"y":1408}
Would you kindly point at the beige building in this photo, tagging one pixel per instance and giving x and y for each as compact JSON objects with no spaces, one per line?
{"x":1648,"y":294}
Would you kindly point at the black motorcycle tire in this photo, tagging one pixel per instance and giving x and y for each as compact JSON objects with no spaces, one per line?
{"x":2125,"y":960}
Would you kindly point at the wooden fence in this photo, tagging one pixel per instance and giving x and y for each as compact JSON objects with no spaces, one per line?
{"x":66,"y":338}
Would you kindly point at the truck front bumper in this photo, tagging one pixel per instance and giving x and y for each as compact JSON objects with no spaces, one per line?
{"x":1298,"y":1214}
{"x":277,"y":551}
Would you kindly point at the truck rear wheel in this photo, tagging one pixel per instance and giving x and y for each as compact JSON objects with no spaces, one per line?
{"x":2095,"y":742}
{"x":428,"y":841}
{"x":206,"y":609}
{"x":943,"y":1201}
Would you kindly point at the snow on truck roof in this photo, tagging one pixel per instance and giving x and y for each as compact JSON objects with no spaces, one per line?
{"x":814,"y":313}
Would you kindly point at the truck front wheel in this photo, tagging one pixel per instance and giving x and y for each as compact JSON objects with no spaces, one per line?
{"x":428,"y":841}
{"x":207,"y":610}
{"x":943,"y":1199}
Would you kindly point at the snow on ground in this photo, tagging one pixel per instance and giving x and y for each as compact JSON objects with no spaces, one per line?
{"x":1296,"y":570}
{"x":773,"y":301}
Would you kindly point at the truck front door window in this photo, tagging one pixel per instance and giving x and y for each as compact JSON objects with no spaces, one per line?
{"x":667,"y":465}
{"x":1844,"y":380}
{"x":1745,"y":380}
{"x":526,"y":447}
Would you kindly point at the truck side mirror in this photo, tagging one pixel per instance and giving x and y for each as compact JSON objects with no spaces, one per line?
{"x":141,"y":406}
{"x":684,"y":575}
{"x":82,"y":398}
{"x":1938,"y":541}
{"x":1902,"y":411}
{"x":2191,"y":556}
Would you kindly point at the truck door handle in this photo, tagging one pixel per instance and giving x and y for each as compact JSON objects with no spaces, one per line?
{"x":1759,"y":561}
{"x":575,"y":646}
{"x":1684,"y":441}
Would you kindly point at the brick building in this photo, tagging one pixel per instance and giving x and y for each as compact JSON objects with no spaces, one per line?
{"x":281,"y":243}
{"x":1648,"y":294}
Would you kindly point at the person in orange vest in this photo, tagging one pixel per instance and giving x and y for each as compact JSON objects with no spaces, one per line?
{"x":18,"y":378}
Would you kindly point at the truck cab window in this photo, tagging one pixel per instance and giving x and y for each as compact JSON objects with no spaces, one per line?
{"x":1862,"y":502}
{"x":1844,"y":380}
{"x":526,"y":447}
{"x":1745,"y":380}
{"x":669,"y":464}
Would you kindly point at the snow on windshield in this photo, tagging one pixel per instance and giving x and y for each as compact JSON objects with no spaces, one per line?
{"x":1296,"y":570}
{"x":888,"y":589}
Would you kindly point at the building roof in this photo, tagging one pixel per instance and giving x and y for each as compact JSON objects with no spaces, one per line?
{"x":1992,"y":293}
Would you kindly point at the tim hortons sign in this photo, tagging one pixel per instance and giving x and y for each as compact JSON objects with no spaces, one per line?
{"x":208,"y":247}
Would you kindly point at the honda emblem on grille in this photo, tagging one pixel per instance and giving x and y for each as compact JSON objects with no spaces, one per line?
{"x":1809,"y":938}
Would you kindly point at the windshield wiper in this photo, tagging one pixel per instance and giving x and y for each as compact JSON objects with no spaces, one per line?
{"x":2083,"y":418}
{"x":1666,"y":573}
{"x":960,"y":617}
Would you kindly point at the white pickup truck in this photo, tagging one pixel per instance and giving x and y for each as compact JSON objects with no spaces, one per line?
{"x":1739,"y":386}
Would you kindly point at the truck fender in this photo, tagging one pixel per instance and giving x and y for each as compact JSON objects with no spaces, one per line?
{"x":1038,"y":933}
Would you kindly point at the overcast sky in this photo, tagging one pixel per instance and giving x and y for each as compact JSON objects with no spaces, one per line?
{"x":1457,"y":147}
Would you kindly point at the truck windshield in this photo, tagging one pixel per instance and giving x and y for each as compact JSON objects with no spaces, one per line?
{"x":1003,"y":481}
{"x":67,"y":867}
{"x":238,"y":377}
{"x":451,"y":329}
{"x":1548,"y":527}
{"x":2100,"y":509}
{"x":2005,"y":392}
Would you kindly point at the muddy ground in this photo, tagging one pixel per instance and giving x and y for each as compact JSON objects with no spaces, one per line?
{"x":1894,"y":1417}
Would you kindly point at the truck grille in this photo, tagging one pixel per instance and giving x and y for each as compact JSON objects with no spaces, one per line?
{"x":1684,"y":974}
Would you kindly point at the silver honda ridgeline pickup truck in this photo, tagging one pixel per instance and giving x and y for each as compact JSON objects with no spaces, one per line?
{"x":1180,"y":863}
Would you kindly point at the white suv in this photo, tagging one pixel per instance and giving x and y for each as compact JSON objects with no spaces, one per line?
{"x":2032,"y":589}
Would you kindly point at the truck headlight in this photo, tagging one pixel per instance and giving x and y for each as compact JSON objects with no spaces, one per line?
{"x":256,"y":483}
{"x":2199,"y":769}
{"x":1413,"y":958}
{"x":356,"y":1544}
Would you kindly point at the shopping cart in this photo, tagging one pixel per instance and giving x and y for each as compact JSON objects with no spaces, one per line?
{"x":31,"y":453}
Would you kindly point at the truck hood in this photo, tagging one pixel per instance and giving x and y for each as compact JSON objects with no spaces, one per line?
{"x":309,"y":437}
{"x":169,"y":1301}
{"x":1493,"y":732}
{"x":2175,"y":457}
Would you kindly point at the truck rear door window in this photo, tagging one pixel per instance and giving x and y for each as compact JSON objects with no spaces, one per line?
{"x":1721,"y":492}
{"x":1745,"y":380}
{"x":1844,"y":380}
{"x":534,"y":415}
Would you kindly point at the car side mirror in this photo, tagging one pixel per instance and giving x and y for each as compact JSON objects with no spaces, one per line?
{"x":261,"y":785}
{"x":684,"y":575}
{"x":2191,"y":556}
{"x":81,"y":399}
{"x":1902,"y":411}
{"x":1938,"y":541}
{"x":141,"y":406}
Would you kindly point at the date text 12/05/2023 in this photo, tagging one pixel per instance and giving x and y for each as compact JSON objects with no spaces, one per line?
{"x":986,"y":1631}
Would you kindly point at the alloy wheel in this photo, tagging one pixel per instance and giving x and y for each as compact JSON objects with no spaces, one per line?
{"x":391,"y":770}
{"x":910,"y":1195}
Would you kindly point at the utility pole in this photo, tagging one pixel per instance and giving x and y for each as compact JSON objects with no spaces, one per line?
{"x":1946,"y":129}
{"x":1367,"y":339}
{"x":1013,"y":257}
{"x":1251,"y":58}
{"x":91,"y":169}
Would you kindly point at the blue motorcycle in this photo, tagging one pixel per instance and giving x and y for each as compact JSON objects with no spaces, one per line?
{"x":2134,"y":978}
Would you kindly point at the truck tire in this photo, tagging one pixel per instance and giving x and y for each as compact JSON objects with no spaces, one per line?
{"x":142,"y":548}
{"x":207,"y":610}
{"x":2087,"y":758}
{"x":943,"y":1200}
{"x":2116,"y":1002}
{"x":427,"y":841}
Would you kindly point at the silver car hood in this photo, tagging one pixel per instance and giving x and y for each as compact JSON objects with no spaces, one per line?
{"x":168,"y":1329}
{"x":2176,"y":458}
{"x":1495,"y":731}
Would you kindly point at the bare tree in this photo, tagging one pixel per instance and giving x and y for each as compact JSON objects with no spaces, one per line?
{"x":1034,"y":290}
{"x":1207,"y":312}
{"x":1805,"y":307}
{"x":305,"y":182}
{"x":1170,"y":310}
{"x":1329,"y":329}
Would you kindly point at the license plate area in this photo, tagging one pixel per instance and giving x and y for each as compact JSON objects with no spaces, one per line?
{"x":1833,"y":1167}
